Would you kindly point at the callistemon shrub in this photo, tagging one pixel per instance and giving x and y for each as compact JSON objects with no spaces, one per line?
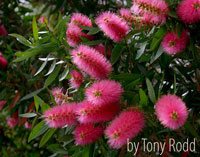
{"x":120,"y":82}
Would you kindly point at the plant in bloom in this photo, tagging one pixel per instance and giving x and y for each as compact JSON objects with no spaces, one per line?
{"x":90,"y":113}
{"x":151,"y":12}
{"x":74,"y":31}
{"x":104,"y":92}
{"x":59,"y":96}
{"x":189,"y":11}
{"x":12,"y":121}
{"x":87,"y":133}
{"x":27,"y":125}
{"x":2,"y":102}
{"x":172,"y":44}
{"x":112,"y":25}
{"x":76,"y":79}
{"x":92,"y":62}
{"x":3,"y":31}
{"x":126,"y":126}
{"x":3,"y":62}
{"x":59,"y":116}
{"x":102,"y":49}
{"x":171,"y":111}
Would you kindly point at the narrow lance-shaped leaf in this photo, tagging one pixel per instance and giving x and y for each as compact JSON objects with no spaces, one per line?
{"x":28,"y":115}
{"x":53,"y":65}
{"x":21,"y":39}
{"x":35,"y":29}
{"x":140,"y":52}
{"x":46,"y":137}
{"x":42,"y":66}
{"x":151,"y":91}
{"x":64,"y":74}
{"x":116,"y":53}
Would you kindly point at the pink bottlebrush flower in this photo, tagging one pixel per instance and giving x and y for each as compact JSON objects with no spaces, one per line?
{"x":101,"y":49}
{"x":3,"y":62}
{"x":2,"y":102}
{"x":104,"y":92}
{"x":189,"y":11}
{"x":112,"y":25}
{"x":59,"y":96}
{"x":76,"y":79}
{"x":73,"y":35}
{"x":126,"y":14}
{"x":42,"y":19}
{"x":27,"y":125}
{"x":59,"y":116}
{"x":126,"y":126}
{"x":92,"y":62}
{"x":87,"y":133}
{"x":171,"y":111}
{"x":173,"y":45}
{"x":90,"y":113}
{"x":80,"y":19}
{"x":12,"y":121}
{"x":2,"y":31}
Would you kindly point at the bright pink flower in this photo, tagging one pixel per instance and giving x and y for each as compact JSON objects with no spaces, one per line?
{"x":74,"y":33}
{"x":90,"y":61}
{"x":112,"y":25}
{"x":173,"y":45}
{"x":42,"y":20}
{"x":126,"y":14}
{"x":171,"y":111}
{"x":27,"y":125}
{"x":3,"y":62}
{"x":2,"y":31}
{"x":59,"y":96}
{"x":59,"y":116}
{"x":90,"y":113}
{"x":127,"y":126}
{"x":12,"y":121}
{"x":87,"y":133}
{"x":104,"y":92}
{"x":189,"y":11}
{"x":2,"y":102}
{"x":80,"y":19}
{"x":76,"y":79}
{"x":101,"y":49}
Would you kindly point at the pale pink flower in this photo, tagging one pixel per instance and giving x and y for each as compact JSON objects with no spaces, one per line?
{"x":112,"y":25}
{"x":42,"y":20}
{"x":12,"y":121}
{"x":189,"y":11}
{"x":90,"y":113}
{"x":59,"y":116}
{"x":2,"y":31}
{"x":126,"y":126}
{"x":80,"y":19}
{"x":59,"y":96}
{"x":73,"y":35}
{"x":87,"y":133}
{"x":101,"y":49}
{"x":3,"y":62}
{"x":171,"y":111}
{"x":104,"y":92}
{"x":2,"y":102}
{"x":172,"y":44}
{"x":92,"y":62}
{"x":76,"y":79}
{"x":27,"y":125}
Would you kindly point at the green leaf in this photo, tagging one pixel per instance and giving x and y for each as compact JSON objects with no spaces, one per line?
{"x":143,"y":98}
{"x":141,"y":50}
{"x":151,"y":91}
{"x":44,"y":48}
{"x":64,"y":74}
{"x":86,"y":28}
{"x":35,"y":29}
{"x":53,"y":65}
{"x":93,"y":31}
{"x":179,"y":27}
{"x":190,"y":129}
{"x":62,"y":27}
{"x":42,"y":66}
{"x":28,"y":96}
{"x":38,"y":130}
{"x":157,"y":38}
{"x":94,"y":42}
{"x":172,"y":14}
{"x":52,"y":77}
{"x":46,"y":137}
{"x":42,"y":104}
{"x":21,"y":39}
{"x":158,"y":54}
{"x":28,"y":115}
{"x":36,"y":102}
{"x":116,"y":53}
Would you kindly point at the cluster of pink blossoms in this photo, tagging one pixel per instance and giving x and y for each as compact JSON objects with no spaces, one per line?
{"x":59,"y":96}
